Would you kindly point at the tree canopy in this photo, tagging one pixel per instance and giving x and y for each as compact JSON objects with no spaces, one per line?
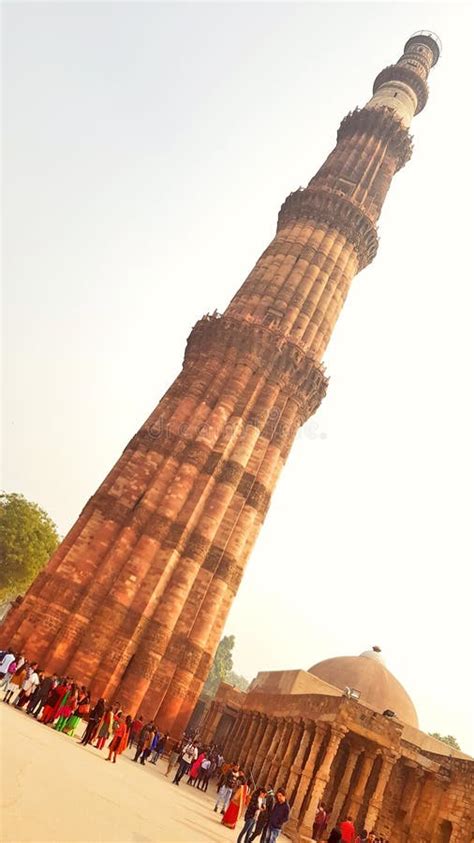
{"x":221,"y":670}
{"x":449,"y":739}
{"x":28,"y":537}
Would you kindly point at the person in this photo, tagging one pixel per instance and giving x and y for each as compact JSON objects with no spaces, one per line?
{"x":205,"y":773}
{"x":105,"y":728}
{"x":347,"y":830}
{"x":173,"y":756}
{"x":144,"y":740}
{"x":53,"y":702}
{"x":95,"y":717}
{"x":137,"y":726}
{"x":362,"y":836}
{"x":153,"y":748}
{"x":160,"y":746}
{"x":194,"y":769}
{"x":66,"y":708}
{"x":8,"y":657}
{"x":187,"y":757}
{"x":372,"y":837}
{"x":320,"y":822}
{"x":38,"y":699}
{"x":119,"y":740}
{"x":148,"y":744}
{"x":11,"y":669}
{"x":237,"y":804}
{"x":225,"y":791}
{"x":261,"y":826}
{"x":335,"y":836}
{"x":29,"y":685}
{"x":254,"y":808}
{"x":81,"y":710}
{"x":278,"y":816}
{"x":15,"y":681}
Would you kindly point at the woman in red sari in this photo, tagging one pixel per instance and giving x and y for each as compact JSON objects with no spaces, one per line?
{"x":236,"y":805}
{"x":119,"y":740}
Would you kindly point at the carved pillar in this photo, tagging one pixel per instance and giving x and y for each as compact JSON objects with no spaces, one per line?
{"x":357,"y":798}
{"x":249,"y":738}
{"x":274,"y":772}
{"x":255,"y":745}
{"x":227,"y":743}
{"x":291,"y":743}
{"x":213,"y":724}
{"x":234,"y":748}
{"x":323,"y":774}
{"x":344,"y":785}
{"x":375,"y":802}
{"x":263,"y":749}
{"x":267,"y":766}
{"x":308,"y":770}
{"x":296,"y":767}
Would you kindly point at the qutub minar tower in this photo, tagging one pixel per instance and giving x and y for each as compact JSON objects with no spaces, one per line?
{"x":134,"y":600}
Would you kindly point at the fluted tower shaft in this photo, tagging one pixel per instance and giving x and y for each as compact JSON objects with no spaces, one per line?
{"x":134,"y":601}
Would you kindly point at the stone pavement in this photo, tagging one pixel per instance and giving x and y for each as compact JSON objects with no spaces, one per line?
{"x":53,"y":789}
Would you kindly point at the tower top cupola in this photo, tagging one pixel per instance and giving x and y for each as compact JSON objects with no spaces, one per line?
{"x":403,"y":87}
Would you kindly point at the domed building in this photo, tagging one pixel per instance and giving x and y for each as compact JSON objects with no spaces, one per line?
{"x":345,"y":732}
{"x":379,"y":689}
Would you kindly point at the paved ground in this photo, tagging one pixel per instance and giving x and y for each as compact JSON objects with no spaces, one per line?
{"x":53,"y":789}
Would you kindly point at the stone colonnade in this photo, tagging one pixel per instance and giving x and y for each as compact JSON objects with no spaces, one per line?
{"x":304,"y":756}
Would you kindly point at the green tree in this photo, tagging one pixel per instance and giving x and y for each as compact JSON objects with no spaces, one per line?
{"x":221,"y":670}
{"x":237,"y":681}
{"x":28,"y":537}
{"x":446,"y":739}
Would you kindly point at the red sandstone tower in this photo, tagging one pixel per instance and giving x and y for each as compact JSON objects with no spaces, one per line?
{"x":134,"y":601}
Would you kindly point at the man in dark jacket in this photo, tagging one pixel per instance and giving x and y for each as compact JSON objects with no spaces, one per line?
{"x":278,"y":817}
{"x":254,"y":808}
{"x":39,"y":697}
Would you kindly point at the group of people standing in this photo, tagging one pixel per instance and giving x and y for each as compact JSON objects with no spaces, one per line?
{"x":343,"y":832}
{"x":63,"y":704}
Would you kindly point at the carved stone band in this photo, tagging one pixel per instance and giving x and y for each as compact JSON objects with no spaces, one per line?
{"x":402,"y":73}
{"x":381,"y":123}
{"x":336,"y":211}
{"x":281,"y":359}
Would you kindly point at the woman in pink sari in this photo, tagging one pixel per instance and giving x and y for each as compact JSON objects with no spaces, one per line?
{"x":194,"y":770}
{"x":237,"y":805}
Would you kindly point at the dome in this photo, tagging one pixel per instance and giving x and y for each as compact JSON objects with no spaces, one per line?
{"x":367,"y":673}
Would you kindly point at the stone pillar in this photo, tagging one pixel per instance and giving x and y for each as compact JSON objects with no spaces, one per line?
{"x":357,"y":797}
{"x":248,"y":740}
{"x":308,"y":770}
{"x":256,"y":741}
{"x":274,"y":772}
{"x":263,"y":749}
{"x":291,"y":744}
{"x":323,"y":775}
{"x":376,"y":800}
{"x":234,"y":748}
{"x":344,"y":785}
{"x":231,"y":735}
{"x":296,"y":767}
{"x":211,"y":722}
{"x":267,"y":766}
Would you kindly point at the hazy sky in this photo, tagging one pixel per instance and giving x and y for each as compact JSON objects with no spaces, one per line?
{"x":147,"y":150}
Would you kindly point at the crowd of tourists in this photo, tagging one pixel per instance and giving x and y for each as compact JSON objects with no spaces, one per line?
{"x":62,"y":703}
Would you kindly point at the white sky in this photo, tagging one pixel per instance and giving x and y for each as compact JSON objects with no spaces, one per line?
{"x":147,"y":150}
